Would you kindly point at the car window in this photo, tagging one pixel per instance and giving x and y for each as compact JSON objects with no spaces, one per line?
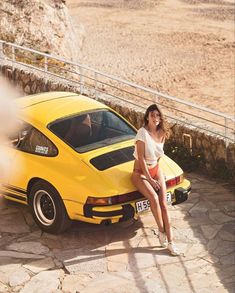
{"x":30,"y":140}
{"x":14,"y":137}
{"x":114,"y":122}
{"x":92,"y":130}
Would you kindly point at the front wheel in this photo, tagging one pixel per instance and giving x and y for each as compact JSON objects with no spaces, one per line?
{"x":48,"y":209}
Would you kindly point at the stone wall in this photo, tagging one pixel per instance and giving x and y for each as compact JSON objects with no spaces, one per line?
{"x":191,"y":148}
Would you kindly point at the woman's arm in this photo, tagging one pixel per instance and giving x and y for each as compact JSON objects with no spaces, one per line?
{"x":140,"y":145}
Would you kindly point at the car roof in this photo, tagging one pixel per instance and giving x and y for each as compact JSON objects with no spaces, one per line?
{"x":50,"y":106}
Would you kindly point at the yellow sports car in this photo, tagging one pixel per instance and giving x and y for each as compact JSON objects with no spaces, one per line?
{"x":73,"y":161}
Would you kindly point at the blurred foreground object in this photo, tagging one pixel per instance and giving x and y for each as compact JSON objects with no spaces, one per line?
{"x":8,"y":123}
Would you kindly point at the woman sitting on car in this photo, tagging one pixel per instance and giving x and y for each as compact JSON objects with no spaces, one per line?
{"x":147,"y":175}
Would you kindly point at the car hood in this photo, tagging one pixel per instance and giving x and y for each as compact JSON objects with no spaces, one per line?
{"x":170,"y":168}
{"x":115,"y":167}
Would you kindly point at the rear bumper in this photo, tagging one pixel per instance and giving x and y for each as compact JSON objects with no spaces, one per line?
{"x":124,"y":212}
{"x":119,"y":213}
{"x":181,"y":194}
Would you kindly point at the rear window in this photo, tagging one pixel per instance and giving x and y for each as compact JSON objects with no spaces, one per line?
{"x":92,"y":130}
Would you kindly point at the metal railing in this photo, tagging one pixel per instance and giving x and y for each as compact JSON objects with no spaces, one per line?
{"x":97,"y":84}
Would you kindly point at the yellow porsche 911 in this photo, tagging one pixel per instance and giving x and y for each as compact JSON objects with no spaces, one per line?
{"x":73,"y":161}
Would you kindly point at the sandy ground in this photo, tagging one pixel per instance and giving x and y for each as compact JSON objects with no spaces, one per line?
{"x":182,"y":48}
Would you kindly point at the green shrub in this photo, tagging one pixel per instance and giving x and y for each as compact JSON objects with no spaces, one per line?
{"x":194,"y":162}
{"x":183,"y":157}
{"x":222,"y":171}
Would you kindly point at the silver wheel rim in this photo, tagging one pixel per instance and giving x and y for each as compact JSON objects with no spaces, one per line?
{"x":44,"y":207}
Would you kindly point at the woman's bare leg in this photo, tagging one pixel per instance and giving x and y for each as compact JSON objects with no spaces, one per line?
{"x":164,"y":207}
{"x":147,"y":190}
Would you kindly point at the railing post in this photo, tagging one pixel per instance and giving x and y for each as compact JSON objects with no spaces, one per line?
{"x":226,"y":130}
{"x":46,"y":76}
{"x":96,"y":85}
{"x":233,"y":130}
{"x":81,"y":80}
{"x":1,"y":50}
{"x":45,"y":64}
{"x":13,"y":57}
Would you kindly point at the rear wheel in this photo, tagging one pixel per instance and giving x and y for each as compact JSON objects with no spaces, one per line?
{"x":48,"y":209}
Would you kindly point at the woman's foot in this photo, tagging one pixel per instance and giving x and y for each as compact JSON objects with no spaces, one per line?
{"x":173,"y":249}
{"x":162,"y":239}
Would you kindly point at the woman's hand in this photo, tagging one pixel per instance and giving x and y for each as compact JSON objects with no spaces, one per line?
{"x":155,"y":184}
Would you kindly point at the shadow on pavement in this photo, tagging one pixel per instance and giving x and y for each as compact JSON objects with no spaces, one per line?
{"x":128,"y":254}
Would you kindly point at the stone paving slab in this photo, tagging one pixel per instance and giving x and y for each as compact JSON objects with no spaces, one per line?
{"x":83,"y":260}
{"x":125,"y":257}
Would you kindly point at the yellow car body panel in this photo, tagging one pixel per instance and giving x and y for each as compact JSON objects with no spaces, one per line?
{"x":71,"y":173}
{"x":45,"y":109}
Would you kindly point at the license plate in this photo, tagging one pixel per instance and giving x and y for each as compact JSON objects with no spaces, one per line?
{"x":168,"y":197}
{"x":144,"y":205}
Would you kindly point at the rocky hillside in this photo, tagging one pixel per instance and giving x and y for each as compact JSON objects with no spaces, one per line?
{"x":44,"y":25}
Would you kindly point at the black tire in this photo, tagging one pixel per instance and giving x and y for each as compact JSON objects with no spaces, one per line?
{"x":48,"y":209}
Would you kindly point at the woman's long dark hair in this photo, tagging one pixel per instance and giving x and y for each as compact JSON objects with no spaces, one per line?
{"x":162,"y":125}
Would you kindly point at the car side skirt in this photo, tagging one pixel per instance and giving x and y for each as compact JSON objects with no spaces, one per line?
{"x":14,"y":193}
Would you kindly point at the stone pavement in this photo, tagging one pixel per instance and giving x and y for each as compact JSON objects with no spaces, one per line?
{"x":125,"y":257}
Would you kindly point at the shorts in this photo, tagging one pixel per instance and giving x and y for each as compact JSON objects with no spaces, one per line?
{"x":153,"y":171}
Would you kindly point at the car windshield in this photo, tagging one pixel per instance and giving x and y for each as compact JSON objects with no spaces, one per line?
{"x":92,"y":130}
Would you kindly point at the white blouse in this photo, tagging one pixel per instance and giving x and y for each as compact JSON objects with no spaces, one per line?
{"x":153,"y":150}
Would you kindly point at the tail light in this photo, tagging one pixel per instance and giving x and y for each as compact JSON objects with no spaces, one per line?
{"x":174,"y":181}
{"x":112,"y":200}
